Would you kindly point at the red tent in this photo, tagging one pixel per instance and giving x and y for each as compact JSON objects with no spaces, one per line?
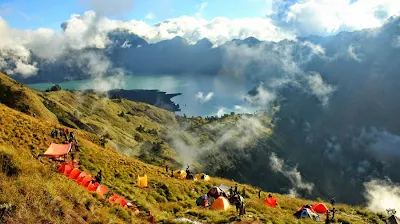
{"x":80,"y":177}
{"x":57,"y":150}
{"x":61,"y":168}
{"x":271,"y":202}
{"x":86,"y":180}
{"x":74,"y":173}
{"x":320,"y":208}
{"x":93,"y":186}
{"x":68,"y":169}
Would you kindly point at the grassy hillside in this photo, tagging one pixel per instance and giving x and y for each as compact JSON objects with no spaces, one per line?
{"x":168,"y":198}
{"x":36,"y":193}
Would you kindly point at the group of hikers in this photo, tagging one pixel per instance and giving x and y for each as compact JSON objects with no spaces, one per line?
{"x":64,"y":133}
{"x":238,"y":199}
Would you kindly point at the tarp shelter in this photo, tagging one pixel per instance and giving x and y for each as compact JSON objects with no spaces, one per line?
{"x":215,"y":192}
{"x":57,"y":150}
{"x":320,"y":208}
{"x":202,"y":176}
{"x":393,"y":220}
{"x":224,"y":187}
{"x":180,"y":174}
{"x":306,"y":213}
{"x":142,"y":181}
{"x":271,"y":202}
{"x":220,"y":203}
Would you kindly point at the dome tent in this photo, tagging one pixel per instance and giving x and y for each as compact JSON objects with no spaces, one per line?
{"x":220,"y":203}
{"x":320,"y":208}
{"x":180,"y":174}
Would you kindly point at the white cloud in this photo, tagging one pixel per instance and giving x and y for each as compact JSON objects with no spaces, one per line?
{"x":294,"y":176}
{"x":126,"y":44}
{"x":150,"y":16}
{"x":221,"y":111}
{"x":352,"y":53}
{"x":201,"y":8}
{"x":382,"y":195}
{"x":396,"y":42}
{"x":15,"y":57}
{"x":324,"y":17}
{"x":262,"y":97}
{"x":240,"y":108}
{"x":204,"y":98}
{"x":319,"y":88}
{"x":109,"y":8}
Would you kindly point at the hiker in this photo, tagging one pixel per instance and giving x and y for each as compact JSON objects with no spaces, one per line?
{"x":151,"y":218}
{"x":98,"y":177}
{"x":172,"y":173}
{"x":333,"y":201}
{"x":40,"y":158}
{"x":166,"y":168}
{"x":187,"y":171}
{"x":242,"y":209}
{"x":34,"y":114}
{"x":259,"y":194}
{"x":71,"y":136}
{"x":231,"y":191}
{"x":236,"y":189}
{"x":205,"y":202}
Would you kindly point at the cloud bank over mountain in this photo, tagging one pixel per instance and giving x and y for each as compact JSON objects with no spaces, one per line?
{"x":283,"y":20}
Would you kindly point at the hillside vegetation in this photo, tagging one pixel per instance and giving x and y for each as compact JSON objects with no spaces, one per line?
{"x":36,"y":193}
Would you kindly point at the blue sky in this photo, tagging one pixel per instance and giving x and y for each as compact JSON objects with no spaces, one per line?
{"x":32,"y":14}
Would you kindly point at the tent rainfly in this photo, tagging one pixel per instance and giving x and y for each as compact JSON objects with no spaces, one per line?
{"x":57,"y":150}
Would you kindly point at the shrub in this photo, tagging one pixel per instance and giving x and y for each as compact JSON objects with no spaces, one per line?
{"x":7,"y":165}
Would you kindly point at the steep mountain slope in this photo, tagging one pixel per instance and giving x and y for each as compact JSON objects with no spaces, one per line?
{"x":17,"y":96}
{"x":37,"y":193}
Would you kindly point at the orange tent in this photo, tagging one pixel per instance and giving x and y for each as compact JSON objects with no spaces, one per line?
{"x":93,"y":186}
{"x":74,"y":173}
{"x":320,"y":208}
{"x":271,"y":202}
{"x":113,"y":198}
{"x":80,"y":177}
{"x":102,"y":190}
{"x":86,"y":180}
{"x":220,"y":203}
{"x":68,"y":169}
{"x":57,"y":150}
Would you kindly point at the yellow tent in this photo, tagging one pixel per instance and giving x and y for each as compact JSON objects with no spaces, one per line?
{"x":142,"y":181}
{"x":202,"y":176}
{"x":180,"y":174}
{"x":220,"y":203}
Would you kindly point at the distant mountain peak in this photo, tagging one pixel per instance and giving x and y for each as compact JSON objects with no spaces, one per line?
{"x":204,"y":43}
